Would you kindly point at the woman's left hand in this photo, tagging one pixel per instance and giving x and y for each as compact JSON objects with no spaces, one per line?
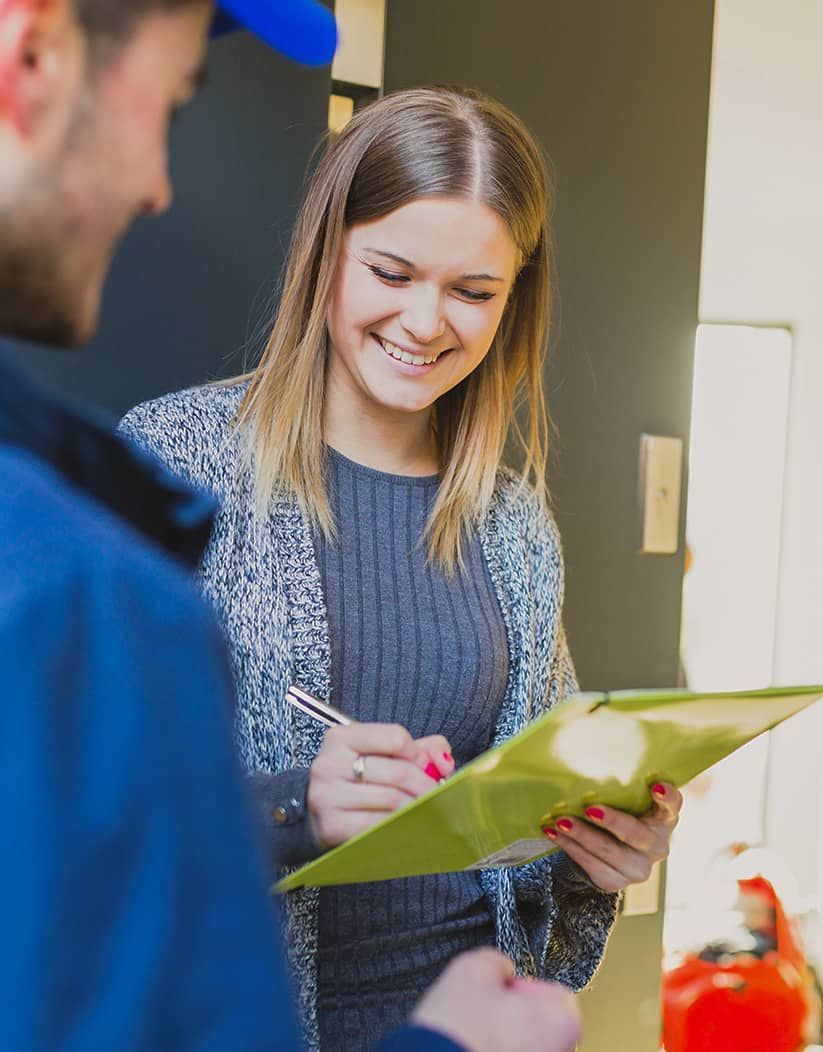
{"x":617,"y":849}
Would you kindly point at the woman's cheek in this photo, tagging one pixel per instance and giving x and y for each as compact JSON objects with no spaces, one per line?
{"x":479,"y":323}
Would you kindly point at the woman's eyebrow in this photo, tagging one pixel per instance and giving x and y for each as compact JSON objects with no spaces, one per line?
{"x":391,"y":256}
{"x":407,"y":263}
{"x":480,"y":277}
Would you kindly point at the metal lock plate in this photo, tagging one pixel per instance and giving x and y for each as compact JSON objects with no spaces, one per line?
{"x":661,"y":471}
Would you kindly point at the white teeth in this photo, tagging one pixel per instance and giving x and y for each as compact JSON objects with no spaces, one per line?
{"x":406,"y":356}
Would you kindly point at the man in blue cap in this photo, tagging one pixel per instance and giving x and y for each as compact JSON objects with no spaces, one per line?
{"x":133,"y":902}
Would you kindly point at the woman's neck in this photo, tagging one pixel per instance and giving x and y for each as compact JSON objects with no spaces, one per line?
{"x":396,"y":442}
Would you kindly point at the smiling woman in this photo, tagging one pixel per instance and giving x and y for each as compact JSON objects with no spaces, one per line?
{"x":425,"y":223}
{"x":372,"y":549}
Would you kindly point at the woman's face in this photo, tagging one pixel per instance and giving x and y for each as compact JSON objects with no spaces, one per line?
{"x":418,"y":297}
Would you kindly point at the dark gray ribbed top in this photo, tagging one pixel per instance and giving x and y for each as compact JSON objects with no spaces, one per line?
{"x":411,"y":646}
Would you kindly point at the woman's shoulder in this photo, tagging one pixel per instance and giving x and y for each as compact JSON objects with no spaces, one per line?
{"x":189,"y":430}
{"x":517,"y":505}
{"x":197,"y":409}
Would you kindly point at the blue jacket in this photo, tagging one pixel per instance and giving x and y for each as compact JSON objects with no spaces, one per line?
{"x":133,"y":905}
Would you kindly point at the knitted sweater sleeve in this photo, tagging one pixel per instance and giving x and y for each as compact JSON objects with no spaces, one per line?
{"x":283,"y":819}
{"x":190,"y":432}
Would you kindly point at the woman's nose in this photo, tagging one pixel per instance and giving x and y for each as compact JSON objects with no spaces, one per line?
{"x":423,"y":318}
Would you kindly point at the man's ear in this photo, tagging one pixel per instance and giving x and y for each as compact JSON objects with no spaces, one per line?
{"x":40,"y":49}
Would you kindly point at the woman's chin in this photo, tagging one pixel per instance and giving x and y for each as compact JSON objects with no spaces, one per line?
{"x":405,"y":405}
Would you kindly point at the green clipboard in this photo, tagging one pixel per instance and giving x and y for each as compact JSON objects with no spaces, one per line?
{"x":593,"y":748}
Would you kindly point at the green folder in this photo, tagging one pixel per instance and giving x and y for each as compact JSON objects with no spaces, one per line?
{"x":593,"y":748}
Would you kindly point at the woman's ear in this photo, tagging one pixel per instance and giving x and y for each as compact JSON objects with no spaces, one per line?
{"x":41,"y":59}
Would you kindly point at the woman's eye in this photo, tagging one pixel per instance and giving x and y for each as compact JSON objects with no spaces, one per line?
{"x":474,"y":296}
{"x":389,"y":275}
{"x":392,"y":277}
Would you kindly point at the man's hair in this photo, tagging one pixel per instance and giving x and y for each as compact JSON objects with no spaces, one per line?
{"x":109,"y":23}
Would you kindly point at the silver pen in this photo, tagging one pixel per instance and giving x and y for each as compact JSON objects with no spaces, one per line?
{"x":314,"y":707}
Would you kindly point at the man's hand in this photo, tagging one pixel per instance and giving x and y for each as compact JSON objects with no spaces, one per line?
{"x":479,"y":1003}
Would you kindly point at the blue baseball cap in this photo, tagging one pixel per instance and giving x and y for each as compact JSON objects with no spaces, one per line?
{"x":303,"y":30}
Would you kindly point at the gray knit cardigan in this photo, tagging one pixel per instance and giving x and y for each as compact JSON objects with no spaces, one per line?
{"x":263,"y":579}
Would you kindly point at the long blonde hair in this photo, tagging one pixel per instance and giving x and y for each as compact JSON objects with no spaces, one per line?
{"x":411,"y":144}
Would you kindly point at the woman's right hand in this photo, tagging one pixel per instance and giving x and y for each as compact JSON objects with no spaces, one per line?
{"x":364,"y":771}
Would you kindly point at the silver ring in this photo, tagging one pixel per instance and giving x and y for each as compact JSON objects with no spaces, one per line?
{"x":358,"y":768}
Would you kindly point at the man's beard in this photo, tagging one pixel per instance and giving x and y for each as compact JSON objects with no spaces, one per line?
{"x":43,"y":289}
{"x":35,"y":305}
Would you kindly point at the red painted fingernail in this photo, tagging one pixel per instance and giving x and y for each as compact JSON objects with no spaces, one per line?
{"x":659,"y":789}
{"x":447,"y":756}
{"x":565,"y":825}
{"x":432,"y":771}
{"x":597,"y":813}
{"x":550,"y":832}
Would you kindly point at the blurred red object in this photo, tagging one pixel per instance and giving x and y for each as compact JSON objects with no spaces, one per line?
{"x":742,"y":1001}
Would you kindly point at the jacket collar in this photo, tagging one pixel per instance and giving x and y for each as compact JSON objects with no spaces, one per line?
{"x":87,"y":452}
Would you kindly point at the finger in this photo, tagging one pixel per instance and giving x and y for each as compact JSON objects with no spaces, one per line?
{"x":438,"y":752}
{"x":667,"y":801}
{"x":634,"y":866}
{"x":639,"y":833}
{"x":561,"y":1008}
{"x":343,"y":825}
{"x":377,"y":739}
{"x":603,"y":875}
{"x":524,"y":985}
{"x":360,"y":796}
{"x":385,"y":770}
{"x":550,"y":991}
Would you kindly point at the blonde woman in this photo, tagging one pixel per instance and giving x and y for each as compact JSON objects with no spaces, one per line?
{"x":373,"y":549}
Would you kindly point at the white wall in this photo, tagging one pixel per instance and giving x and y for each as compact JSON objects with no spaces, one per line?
{"x":737,"y":460}
{"x":763,"y":263}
